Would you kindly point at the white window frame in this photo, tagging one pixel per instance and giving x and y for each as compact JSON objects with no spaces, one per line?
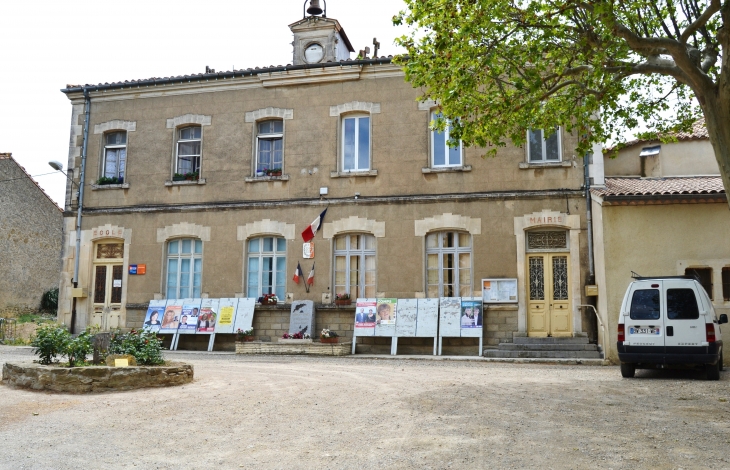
{"x":115,"y":147}
{"x":348,"y":253}
{"x":357,"y":118}
{"x":179,"y":140}
{"x":543,"y":160}
{"x":447,"y":133}
{"x":456,"y":251}
{"x":272,"y":137}
{"x":261,"y":254}
{"x":179,"y":256}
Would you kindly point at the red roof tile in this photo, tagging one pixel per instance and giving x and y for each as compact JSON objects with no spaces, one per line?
{"x":661,"y":186}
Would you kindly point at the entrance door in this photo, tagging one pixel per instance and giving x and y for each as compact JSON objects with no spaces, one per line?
{"x":548,"y":305}
{"x":107,"y":296}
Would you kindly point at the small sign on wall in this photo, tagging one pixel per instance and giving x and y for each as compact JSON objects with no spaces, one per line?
{"x":308,"y":250}
{"x":137,"y":269}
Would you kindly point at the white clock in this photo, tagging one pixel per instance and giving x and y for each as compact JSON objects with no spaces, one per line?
{"x":313,"y":53}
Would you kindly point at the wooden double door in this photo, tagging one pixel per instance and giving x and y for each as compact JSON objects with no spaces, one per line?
{"x":548,"y":292}
{"x":107,"y":296}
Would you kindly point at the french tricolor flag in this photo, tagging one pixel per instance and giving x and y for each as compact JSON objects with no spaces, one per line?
{"x":298,"y":274}
{"x":310,"y":279}
{"x":309,"y":233}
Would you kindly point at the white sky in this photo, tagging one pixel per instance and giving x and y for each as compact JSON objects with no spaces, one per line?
{"x":45,"y":45}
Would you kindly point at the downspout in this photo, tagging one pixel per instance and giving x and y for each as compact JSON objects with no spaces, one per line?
{"x":87,"y":112}
{"x":589,"y":217}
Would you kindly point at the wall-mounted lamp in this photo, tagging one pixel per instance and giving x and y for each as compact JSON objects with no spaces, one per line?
{"x":58,"y":166}
{"x":357,"y":195}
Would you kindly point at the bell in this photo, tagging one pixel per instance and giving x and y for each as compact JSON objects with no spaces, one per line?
{"x":314,"y":8}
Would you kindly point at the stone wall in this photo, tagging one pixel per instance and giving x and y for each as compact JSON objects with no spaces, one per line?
{"x":94,"y":379}
{"x":320,"y":349}
{"x":31,"y":229}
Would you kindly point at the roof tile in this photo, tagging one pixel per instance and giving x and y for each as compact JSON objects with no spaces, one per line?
{"x":661,"y":186}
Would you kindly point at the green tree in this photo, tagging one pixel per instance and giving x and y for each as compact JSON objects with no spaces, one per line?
{"x":595,"y":67}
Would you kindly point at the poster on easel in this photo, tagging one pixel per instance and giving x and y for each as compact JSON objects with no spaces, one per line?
{"x":189,"y":316}
{"x":155,"y":312}
{"x":226,"y":315}
{"x":171,"y":317}
{"x":208,"y":315}
{"x":385,"y":317}
{"x":471,"y":313}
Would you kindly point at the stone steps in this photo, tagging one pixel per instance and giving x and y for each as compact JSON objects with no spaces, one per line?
{"x":536,"y":354}
{"x":550,"y":340}
{"x":547,"y":347}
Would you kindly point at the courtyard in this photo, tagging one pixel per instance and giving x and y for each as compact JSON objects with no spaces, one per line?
{"x":308,"y":412}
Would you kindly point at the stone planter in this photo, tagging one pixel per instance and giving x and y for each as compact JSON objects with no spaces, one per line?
{"x":295,"y":341}
{"x":95,"y":378}
{"x":333,"y":340}
{"x":288,"y":348}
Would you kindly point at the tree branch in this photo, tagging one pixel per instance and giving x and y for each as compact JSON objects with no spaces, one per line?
{"x":700,"y":21}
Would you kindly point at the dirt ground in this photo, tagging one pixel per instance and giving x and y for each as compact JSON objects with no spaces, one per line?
{"x":303,"y":412}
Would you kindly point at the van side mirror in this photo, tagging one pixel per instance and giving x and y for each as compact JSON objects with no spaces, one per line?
{"x":723,"y":318}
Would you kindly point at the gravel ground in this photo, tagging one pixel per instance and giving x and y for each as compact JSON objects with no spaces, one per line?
{"x":303,"y":412}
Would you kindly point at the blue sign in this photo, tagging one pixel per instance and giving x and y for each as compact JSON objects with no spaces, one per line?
{"x":132,"y":269}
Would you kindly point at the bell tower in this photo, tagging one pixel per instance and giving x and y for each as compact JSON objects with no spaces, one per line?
{"x":318,"y":39}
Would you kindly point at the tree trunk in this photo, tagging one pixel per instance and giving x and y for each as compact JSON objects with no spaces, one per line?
{"x":717,"y":120}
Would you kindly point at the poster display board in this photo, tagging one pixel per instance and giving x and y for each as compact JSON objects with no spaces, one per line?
{"x":226,"y":315}
{"x":155,"y":312}
{"x":301,"y":319}
{"x":171,"y":317}
{"x":208,"y":315}
{"x":428,"y":316}
{"x":244,"y":314}
{"x":189,"y":316}
{"x":471,"y":317}
{"x":499,"y":291}
{"x":365,"y":317}
{"x":407,"y":317}
{"x":385,"y":317}
{"x":449,"y":317}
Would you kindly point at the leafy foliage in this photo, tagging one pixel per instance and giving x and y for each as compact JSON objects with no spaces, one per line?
{"x":109,"y":180}
{"x":50,"y":342}
{"x":144,"y":345}
{"x":499,"y":67}
{"x":76,"y":349}
{"x":49,"y":300}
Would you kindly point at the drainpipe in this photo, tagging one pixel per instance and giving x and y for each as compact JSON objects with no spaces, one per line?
{"x":589,"y":217}
{"x":87,"y":111}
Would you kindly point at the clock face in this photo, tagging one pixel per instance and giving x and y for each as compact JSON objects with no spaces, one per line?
{"x":313,"y":53}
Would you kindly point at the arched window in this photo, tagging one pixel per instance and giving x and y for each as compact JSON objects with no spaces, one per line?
{"x":448,"y":264}
{"x":266,"y":267}
{"x":270,"y":145}
{"x":442,"y":155}
{"x":184,"y":268}
{"x":189,"y":150}
{"x":355,"y":265}
{"x":115,"y":155}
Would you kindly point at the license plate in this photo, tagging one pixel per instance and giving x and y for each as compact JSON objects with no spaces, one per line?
{"x":644,"y":331}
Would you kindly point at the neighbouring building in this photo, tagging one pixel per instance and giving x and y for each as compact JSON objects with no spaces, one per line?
{"x":663,"y":212}
{"x":31,"y":230}
{"x":181,"y":176}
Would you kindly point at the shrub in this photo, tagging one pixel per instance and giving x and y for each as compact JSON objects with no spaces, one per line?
{"x":49,"y":301}
{"x":49,"y":342}
{"x":145,"y":346}
{"x":78,"y":348}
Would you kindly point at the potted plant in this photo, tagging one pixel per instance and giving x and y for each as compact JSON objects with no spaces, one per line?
{"x":274,"y":172}
{"x":328,"y":336}
{"x":261,"y":172}
{"x":109,"y":180}
{"x":268,"y":299}
{"x":343,"y":299}
{"x":246,"y":335}
{"x":299,"y":335}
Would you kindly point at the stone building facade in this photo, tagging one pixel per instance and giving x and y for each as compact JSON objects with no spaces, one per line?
{"x":407,"y":215}
{"x":31,"y":226}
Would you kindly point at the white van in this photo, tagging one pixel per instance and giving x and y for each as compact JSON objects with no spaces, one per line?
{"x":669,"y":321}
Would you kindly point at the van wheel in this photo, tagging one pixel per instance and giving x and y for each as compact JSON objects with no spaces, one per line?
{"x":628,"y":370}
{"x":713,"y":371}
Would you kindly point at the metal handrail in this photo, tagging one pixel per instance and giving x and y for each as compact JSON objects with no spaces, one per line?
{"x":600,"y":322}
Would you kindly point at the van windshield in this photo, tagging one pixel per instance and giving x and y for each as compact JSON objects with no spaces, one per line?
{"x":645,"y":304}
{"x":682,"y":304}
